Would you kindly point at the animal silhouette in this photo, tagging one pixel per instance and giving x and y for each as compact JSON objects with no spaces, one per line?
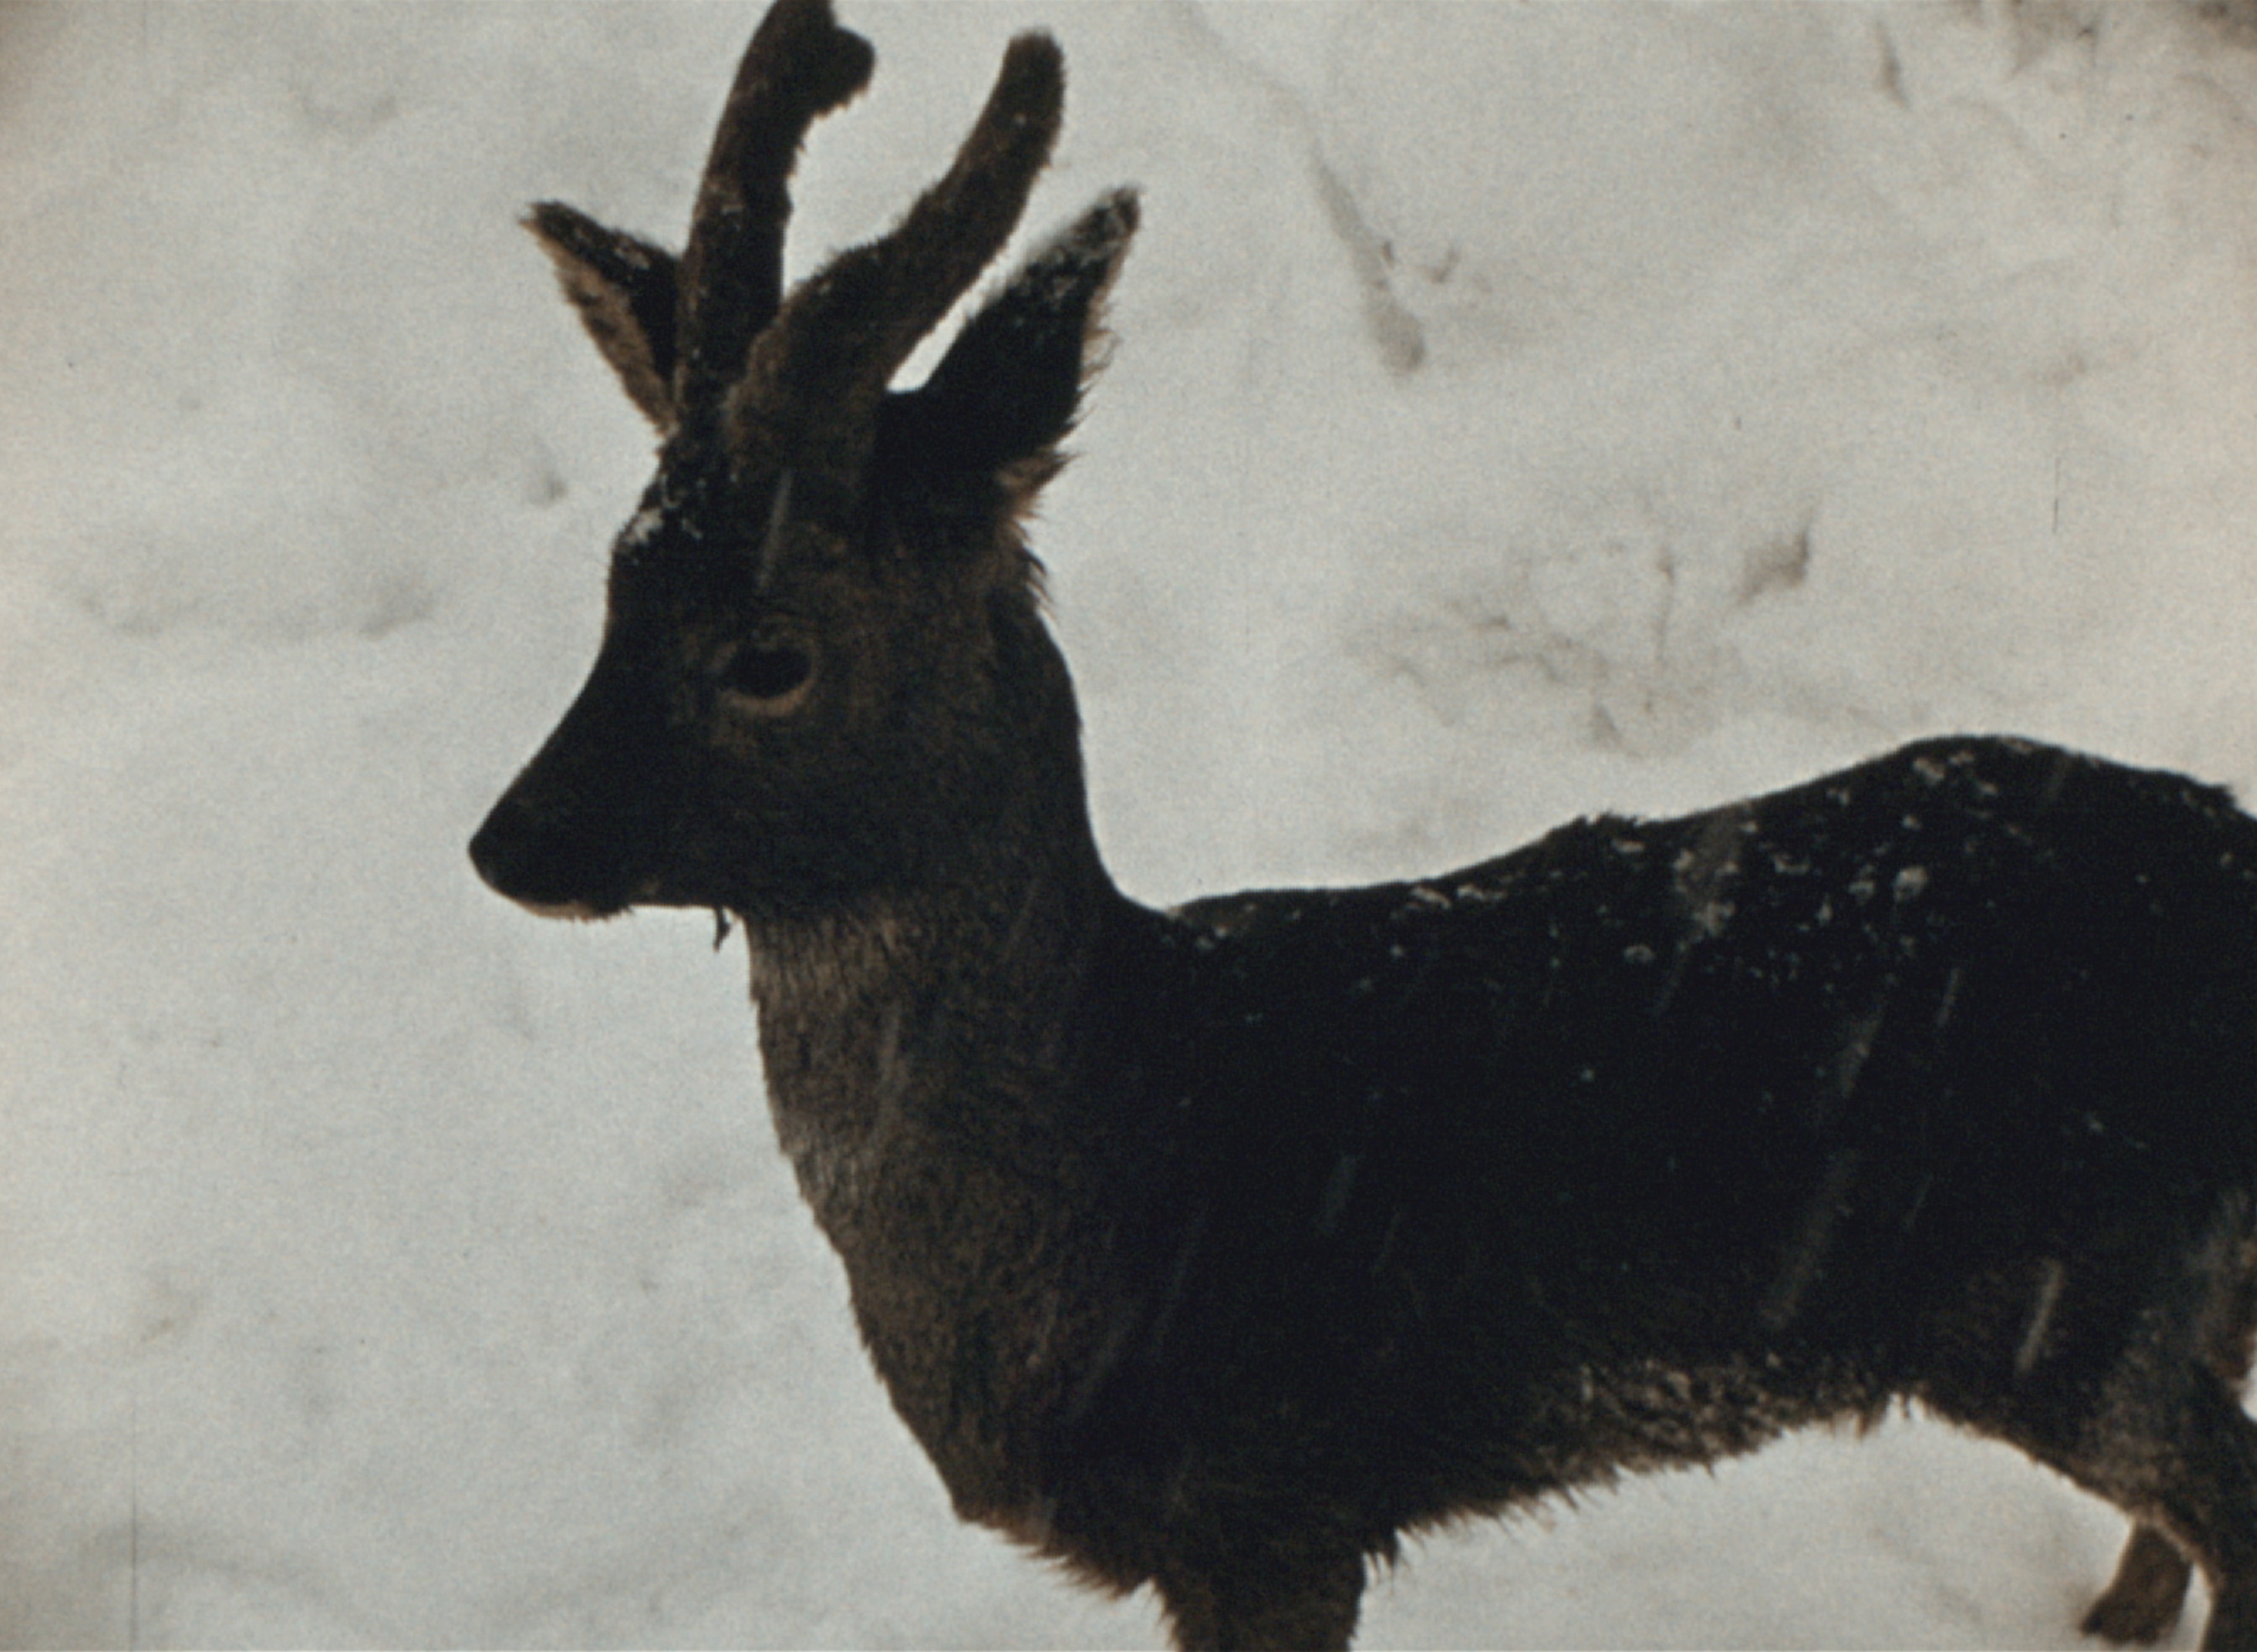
{"x":1213,"y":1249}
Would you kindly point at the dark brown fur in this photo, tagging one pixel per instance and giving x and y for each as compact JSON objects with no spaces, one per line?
{"x":1212,"y":1250}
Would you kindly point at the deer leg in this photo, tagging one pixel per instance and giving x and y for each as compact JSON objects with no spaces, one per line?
{"x":1309,"y":1605}
{"x":2208,"y":1500}
{"x":2142,"y":1602}
{"x":2180,"y":1456}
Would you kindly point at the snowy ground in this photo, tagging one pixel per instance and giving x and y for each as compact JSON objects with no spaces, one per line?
{"x":1518,"y":411}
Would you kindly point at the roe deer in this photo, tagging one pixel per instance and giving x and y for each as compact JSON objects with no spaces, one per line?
{"x":1214,"y":1249}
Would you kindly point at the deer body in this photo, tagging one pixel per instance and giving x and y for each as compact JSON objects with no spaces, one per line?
{"x":1214,"y":1249}
{"x":1305,"y":1217}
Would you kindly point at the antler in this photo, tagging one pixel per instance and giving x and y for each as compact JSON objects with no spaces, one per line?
{"x":814,"y":379}
{"x":800,"y":66}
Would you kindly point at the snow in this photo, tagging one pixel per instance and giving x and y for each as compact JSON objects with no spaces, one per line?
{"x":1517,"y":411}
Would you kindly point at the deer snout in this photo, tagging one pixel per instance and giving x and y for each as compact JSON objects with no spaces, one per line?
{"x":542,"y":872}
{"x":578,"y":834}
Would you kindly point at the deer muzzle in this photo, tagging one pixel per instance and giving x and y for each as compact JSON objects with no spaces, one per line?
{"x":582,"y":833}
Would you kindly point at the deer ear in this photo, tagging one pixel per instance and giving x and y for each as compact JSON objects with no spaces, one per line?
{"x":624,"y":289}
{"x":1008,"y":391}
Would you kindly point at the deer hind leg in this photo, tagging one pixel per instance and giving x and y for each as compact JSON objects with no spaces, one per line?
{"x":2184,"y":1465}
{"x":2142,"y":1602}
{"x":2171,"y":1446}
{"x":2159,"y":1431}
{"x":2207,"y":1501}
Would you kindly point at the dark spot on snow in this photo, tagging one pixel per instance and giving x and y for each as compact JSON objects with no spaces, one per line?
{"x":401,"y":598}
{"x":168,"y":1308}
{"x":2236,"y":20}
{"x":1891,"y":77}
{"x":330,"y":103}
{"x":545,"y":484}
{"x":1780,"y":566}
{"x":1396,"y":335}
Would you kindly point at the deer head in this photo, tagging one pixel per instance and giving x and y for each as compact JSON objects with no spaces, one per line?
{"x":823,"y":674}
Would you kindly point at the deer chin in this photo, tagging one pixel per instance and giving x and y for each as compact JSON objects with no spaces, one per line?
{"x":575,"y":911}
{"x":652,"y":892}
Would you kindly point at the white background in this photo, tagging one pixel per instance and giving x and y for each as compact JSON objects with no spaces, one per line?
{"x":1518,"y":411}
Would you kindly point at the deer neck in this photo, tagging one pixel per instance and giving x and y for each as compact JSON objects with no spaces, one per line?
{"x":903,"y":1030}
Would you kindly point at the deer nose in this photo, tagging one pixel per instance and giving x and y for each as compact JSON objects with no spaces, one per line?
{"x":542,"y":872}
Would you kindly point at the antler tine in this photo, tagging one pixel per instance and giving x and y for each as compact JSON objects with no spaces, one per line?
{"x":800,"y":66}
{"x":824,"y":364}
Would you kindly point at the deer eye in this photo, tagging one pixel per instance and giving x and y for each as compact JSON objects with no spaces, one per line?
{"x":770,"y":675}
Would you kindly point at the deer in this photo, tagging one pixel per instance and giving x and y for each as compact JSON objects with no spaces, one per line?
{"x":1212,"y":1251}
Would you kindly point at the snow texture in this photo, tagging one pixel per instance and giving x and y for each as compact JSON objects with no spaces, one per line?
{"x":1518,"y":411}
